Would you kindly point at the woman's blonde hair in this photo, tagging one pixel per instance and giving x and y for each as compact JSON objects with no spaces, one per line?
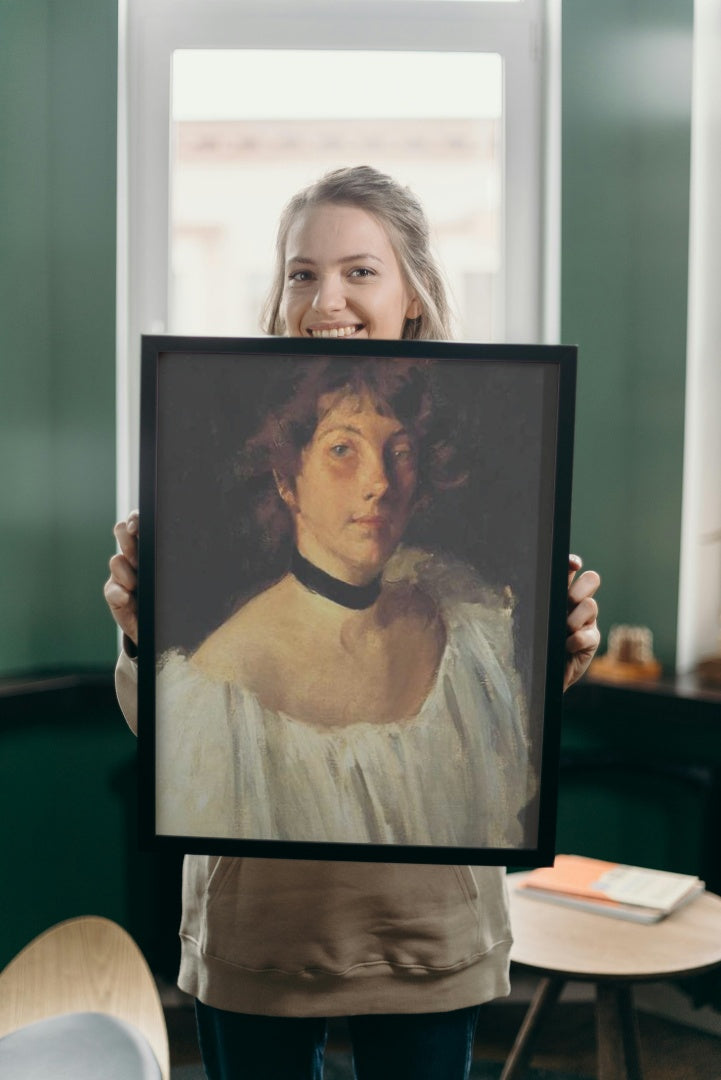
{"x":402,"y":216}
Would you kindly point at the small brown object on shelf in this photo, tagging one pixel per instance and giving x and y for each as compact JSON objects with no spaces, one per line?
{"x":709,"y":671}
{"x":629,"y":657}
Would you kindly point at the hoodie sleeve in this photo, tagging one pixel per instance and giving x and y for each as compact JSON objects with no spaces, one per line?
{"x":126,"y":689}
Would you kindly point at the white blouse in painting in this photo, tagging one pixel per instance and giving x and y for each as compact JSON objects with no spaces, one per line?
{"x":459,"y":773}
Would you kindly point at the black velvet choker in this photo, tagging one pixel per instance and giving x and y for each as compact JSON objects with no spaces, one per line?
{"x":356,"y":597}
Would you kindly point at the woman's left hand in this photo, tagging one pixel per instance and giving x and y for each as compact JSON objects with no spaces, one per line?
{"x":582,"y":634}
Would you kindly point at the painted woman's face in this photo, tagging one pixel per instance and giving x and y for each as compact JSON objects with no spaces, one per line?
{"x":342,"y":277}
{"x":355,"y":490}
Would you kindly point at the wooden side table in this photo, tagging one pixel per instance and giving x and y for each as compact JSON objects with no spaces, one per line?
{"x":563,"y":944}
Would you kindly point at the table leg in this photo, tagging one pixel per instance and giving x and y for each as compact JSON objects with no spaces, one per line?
{"x":545,"y":997}
{"x":617,"y":1033}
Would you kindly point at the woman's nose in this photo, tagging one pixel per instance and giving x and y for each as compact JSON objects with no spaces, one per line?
{"x":329,"y":295}
{"x":375,"y":480}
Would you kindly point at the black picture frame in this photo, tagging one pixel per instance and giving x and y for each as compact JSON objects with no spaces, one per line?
{"x":510,"y":409}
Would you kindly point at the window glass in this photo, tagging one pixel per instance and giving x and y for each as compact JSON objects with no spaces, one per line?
{"x":251,"y":127}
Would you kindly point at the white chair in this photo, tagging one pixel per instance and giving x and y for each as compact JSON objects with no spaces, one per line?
{"x":80,"y":1002}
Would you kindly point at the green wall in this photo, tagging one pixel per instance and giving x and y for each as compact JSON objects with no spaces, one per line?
{"x":58,"y":72}
{"x":67,"y":773}
{"x":626,"y":145}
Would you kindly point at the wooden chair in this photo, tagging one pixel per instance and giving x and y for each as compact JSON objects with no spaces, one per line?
{"x":87,"y":967}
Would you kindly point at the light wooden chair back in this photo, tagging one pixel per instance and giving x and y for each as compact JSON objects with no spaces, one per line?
{"x":88,"y":964}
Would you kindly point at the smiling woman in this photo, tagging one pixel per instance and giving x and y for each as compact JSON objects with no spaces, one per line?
{"x":367,"y":692}
{"x":353,"y":259}
{"x":339,"y":262}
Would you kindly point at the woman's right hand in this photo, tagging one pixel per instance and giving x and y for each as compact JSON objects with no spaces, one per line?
{"x":121,"y":587}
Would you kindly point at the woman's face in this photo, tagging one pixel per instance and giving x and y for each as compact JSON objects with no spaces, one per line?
{"x":355,"y":489}
{"x":342,"y":277}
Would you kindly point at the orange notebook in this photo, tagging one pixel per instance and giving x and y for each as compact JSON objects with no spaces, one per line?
{"x":631,"y":892}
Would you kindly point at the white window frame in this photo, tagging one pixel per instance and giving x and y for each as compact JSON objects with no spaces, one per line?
{"x":526,"y":34}
{"x":699,"y":596}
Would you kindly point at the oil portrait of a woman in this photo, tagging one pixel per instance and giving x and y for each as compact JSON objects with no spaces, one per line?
{"x":370,"y":693}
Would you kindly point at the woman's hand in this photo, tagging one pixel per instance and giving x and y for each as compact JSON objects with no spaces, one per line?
{"x":583,"y":636}
{"x":121,"y":587}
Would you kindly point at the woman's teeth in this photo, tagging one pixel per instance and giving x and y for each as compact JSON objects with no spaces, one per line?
{"x":337,"y":331}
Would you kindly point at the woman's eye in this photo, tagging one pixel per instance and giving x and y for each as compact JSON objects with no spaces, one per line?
{"x":362,"y":272}
{"x":340,"y":450}
{"x":403,"y":453}
{"x":300,"y":276}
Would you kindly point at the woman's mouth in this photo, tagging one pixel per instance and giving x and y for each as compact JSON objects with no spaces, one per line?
{"x":375,"y":521}
{"x":335,"y":331}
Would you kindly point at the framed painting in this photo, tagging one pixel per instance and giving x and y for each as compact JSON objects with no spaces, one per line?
{"x":352,"y":597}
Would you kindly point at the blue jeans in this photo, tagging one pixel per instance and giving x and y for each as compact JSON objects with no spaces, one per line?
{"x":413,"y":1046}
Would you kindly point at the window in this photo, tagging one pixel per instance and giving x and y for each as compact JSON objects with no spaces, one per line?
{"x":236,"y":161}
{"x":227,"y":107}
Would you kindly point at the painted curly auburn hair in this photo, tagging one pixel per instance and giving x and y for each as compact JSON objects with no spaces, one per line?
{"x":304,"y":391}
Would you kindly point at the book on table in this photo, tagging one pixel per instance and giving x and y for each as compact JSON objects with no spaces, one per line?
{"x":608,"y":888}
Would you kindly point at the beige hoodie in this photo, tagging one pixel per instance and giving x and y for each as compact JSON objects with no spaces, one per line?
{"x":298,"y":938}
